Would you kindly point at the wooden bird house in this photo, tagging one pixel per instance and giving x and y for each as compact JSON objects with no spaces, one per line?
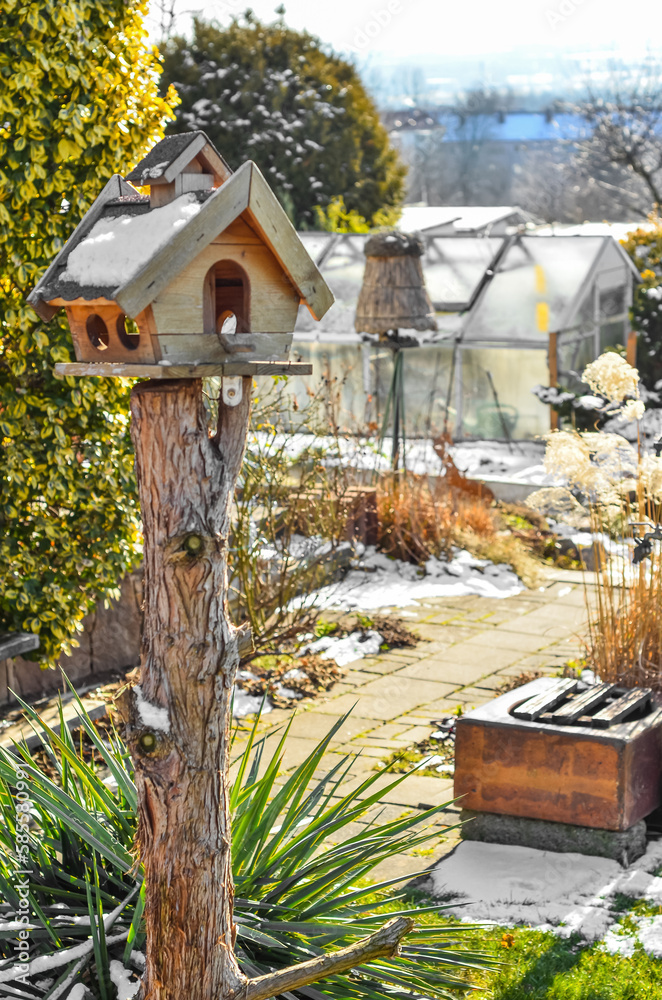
{"x":393,"y":295}
{"x":204,"y":269}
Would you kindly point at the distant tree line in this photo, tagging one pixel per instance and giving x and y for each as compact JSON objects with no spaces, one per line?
{"x":607,"y":164}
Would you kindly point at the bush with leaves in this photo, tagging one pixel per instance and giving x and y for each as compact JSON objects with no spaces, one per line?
{"x":645,"y":248}
{"x":79,"y":102}
{"x":300,"y":871}
{"x":267,"y":93}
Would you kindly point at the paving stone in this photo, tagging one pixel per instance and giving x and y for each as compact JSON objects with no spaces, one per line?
{"x":375,"y":751}
{"x":315,"y":725}
{"x":386,"y":746}
{"x":357,"y":677}
{"x":462,"y":666}
{"x":493,"y":682}
{"x":389,"y":731}
{"x":445,"y":706}
{"x":296,"y":750}
{"x":385,"y":664}
{"x":507,"y":639}
{"x":414,"y":735}
{"x":479,"y":695}
{"x":387,"y":697}
{"x":383,"y":813}
{"x":422,"y":792}
{"x":546,"y":662}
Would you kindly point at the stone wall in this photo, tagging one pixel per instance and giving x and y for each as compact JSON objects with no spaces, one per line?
{"x":110,"y":641}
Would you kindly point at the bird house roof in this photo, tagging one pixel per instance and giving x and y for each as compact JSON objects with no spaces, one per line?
{"x":127,"y":251}
{"x":173,"y":154}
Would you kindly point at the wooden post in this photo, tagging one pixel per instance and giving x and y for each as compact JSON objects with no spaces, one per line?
{"x":180,"y":715}
{"x":631,"y":349}
{"x":553,"y":364}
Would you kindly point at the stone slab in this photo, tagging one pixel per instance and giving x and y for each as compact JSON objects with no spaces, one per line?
{"x":624,"y":846}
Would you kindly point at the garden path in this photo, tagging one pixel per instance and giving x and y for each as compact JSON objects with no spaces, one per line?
{"x":470,"y":646}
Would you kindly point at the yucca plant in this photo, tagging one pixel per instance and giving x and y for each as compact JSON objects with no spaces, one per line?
{"x":301,"y":887}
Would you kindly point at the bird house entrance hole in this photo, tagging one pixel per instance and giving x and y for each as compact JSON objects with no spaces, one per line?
{"x":227,"y":299}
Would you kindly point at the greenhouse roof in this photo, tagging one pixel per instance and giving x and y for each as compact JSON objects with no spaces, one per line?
{"x":486,"y":290}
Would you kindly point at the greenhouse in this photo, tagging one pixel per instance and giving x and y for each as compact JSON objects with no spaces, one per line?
{"x":513,"y":311}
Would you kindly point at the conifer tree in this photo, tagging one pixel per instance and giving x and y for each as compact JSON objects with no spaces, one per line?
{"x":267,"y":93}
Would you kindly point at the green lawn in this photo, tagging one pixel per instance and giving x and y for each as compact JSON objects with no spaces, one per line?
{"x":538,"y":965}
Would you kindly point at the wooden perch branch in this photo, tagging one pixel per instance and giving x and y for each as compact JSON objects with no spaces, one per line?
{"x":384,"y":943}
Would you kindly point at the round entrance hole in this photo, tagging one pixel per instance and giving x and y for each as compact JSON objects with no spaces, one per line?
{"x":128,"y":332}
{"x":97,"y":331}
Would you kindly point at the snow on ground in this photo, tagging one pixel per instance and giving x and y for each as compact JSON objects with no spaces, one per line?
{"x":353,"y":647}
{"x":344,"y":650}
{"x":520,"y":461}
{"x":379,"y":583}
{"x":563,"y":893}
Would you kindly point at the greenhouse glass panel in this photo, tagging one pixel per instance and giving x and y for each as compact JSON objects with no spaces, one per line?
{"x":454,"y":268}
{"x":514,"y":373}
{"x":535,"y":270}
{"x":574,"y":353}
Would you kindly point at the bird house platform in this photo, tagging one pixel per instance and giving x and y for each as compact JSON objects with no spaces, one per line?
{"x":549,"y":751}
{"x":231,"y":369}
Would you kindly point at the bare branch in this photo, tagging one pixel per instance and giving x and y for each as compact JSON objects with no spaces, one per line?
{"x":384,"y":943}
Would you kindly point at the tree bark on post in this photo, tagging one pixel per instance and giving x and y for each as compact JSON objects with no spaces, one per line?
{"x":178,"y":724}
{"x":180,"y":715}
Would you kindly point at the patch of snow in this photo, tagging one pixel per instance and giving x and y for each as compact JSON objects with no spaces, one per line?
{"x":296,"y":674}
{"x":564,"y":893}
{"x":46,"y":963}
{"x":79,"y":992}
{"x":249,"y":704}
{"x":126,"y":985}
{"x":352,"y":647}
{"x":650,"y":935}
{"x":379,"y":582}
{"x":116,"y":249}
{"x":152,"y":716}
{"x":617,"y":943}
{"x":285,"y":692}
{"x":155,"y":172}
{"x":476,"y":458}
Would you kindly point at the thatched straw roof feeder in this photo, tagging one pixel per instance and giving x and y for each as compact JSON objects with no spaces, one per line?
{"x":393,"y":295}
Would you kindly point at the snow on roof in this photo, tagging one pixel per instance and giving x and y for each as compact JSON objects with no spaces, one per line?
{"x":459,"y":218}
{"x":422,"y":217}
{"x":160,"y":156}
{"x":619,"y":230}
{"x":117,"y":248}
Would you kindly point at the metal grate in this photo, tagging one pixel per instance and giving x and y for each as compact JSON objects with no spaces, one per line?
{"x":599,"y":706}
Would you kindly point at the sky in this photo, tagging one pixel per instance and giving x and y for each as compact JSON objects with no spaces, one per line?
{"x":401,"y":30}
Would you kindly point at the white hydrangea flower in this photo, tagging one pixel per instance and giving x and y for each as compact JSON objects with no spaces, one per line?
{"x":612,"y":376}
{"x":650,"y":476}
{"x":592,"y":462}
{"x":634,"y":409}
{"x":568,"y":455}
